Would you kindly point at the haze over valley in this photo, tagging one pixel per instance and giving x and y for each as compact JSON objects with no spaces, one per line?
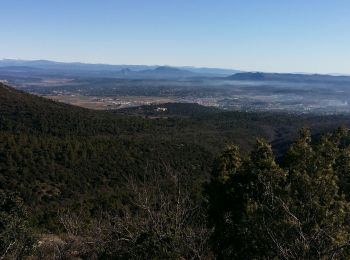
{"x":99,"y":86}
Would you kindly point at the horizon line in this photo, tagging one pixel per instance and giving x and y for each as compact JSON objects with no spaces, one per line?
{"x":176,"y":66}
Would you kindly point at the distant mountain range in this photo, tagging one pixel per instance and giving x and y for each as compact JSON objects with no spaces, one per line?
{"x":124,"y":71}
{"x":287,"y":77}
{"x":42,"y":68}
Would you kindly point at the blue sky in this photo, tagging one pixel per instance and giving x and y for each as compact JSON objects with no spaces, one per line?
{"x":259,"y":35}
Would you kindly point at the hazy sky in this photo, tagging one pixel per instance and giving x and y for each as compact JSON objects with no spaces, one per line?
{"x":264,"y":35}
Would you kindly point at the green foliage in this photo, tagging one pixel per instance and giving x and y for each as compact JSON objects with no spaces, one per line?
{"x":51,"y":173}
{"x":16,"y":239}
{"x":297,"y":210}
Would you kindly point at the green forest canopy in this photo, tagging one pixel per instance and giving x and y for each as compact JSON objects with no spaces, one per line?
{"x":57,"y":157}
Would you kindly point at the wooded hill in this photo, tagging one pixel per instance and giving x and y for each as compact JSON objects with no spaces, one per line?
{"x":54,"y":152}
{"x":58,"y":157}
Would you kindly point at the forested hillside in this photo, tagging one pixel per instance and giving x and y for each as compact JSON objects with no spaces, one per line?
{"x":68,"y":168}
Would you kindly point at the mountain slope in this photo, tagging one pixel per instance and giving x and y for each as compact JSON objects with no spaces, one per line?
{"x":20,"y":111}
{"x":58,"y":156}
{"x":288,"y":77}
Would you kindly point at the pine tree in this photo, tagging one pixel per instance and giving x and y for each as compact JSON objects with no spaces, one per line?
{"x":259,"y":209}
